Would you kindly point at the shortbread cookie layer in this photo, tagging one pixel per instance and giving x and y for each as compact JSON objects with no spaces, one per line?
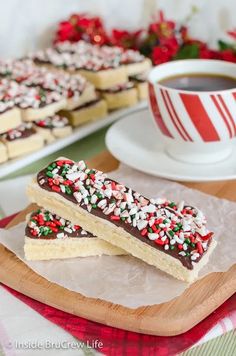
{"x":46,"y":134}
{"x":172,"y":237}
{"x":140,"y":82}
{"x":3,"y":153}
{"x":32,"y":114}
{"x":120,"y":96}
{"x":139,"y":67}
{"x":142,"y":89}
{"x":48,"y":236}
{"x":95,"y":110}
{"x":104,"y":79}
{"x":9,"y":119}
{"x":62,"y":132}
{"x":22,"y":140}
{"x":59,"y":249}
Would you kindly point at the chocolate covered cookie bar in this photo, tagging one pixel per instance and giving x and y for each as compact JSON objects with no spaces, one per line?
{"x":36,"y":102}
{"x":98,"y":65}
{"x":22,"y":140}
{"x":91,"y":111}
{"x":75,"y":88}
{"x":49,"y":236}
{"x":172,"y":237}
{"x":53,"y":127}
{"x":133,"y":61}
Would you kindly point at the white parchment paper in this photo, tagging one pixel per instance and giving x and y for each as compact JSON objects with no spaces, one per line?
{"x":124,"y":279}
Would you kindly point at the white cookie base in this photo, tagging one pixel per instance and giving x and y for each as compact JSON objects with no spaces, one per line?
{"x":42,"y":249}
{"x":90,"y":113}
{"x":142,"y":89}
{"x":138,"y":68}
{"x":105,"y":79}
{"x":45,"y":133}
{"x":23,"y":146}
{"x":122,"y":99}
{"x":115,"y":235}
{"x":31,"y":114}
{"x":3,"y":153}
{"x":62,"y":132}
{"x":10,"y":119}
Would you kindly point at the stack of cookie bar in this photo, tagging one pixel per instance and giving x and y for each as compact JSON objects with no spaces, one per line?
{"x":171,"y":236}
{"x":30,"y":98}
{"x":108,"y":68}
{"x":16,"y":137}
{"x":51,"y":236}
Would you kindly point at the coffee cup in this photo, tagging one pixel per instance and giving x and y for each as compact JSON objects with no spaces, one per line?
{"x":196,"y":126}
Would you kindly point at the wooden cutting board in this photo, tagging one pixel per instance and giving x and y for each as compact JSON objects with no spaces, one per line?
{"x":171,"y":318}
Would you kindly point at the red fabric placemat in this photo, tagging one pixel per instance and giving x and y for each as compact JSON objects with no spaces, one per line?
{"x":120,"y":342}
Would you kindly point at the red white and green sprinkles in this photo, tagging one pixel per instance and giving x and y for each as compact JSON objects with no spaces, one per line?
{"x":44,"y":224}
{"x":178,"y":229}
{"x":52,"y":122}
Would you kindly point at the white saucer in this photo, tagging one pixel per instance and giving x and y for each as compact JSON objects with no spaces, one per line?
{"x":134,"y":141}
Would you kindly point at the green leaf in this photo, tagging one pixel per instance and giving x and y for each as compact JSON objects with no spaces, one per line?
{"x":148,"y":44}
{"x":188,"y":51}
{"x":224,"y":45}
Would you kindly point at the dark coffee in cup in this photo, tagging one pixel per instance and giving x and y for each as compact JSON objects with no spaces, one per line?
{"x":199,"y":82}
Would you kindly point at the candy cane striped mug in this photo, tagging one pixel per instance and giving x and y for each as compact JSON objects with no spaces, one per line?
{"x":196,"y":126}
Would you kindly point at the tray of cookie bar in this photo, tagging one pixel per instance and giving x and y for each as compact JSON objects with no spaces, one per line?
{"x":60,"y":95}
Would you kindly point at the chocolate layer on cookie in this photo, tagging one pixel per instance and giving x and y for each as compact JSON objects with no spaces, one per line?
{"x":42,"y":224}
{"x":25,"y":130}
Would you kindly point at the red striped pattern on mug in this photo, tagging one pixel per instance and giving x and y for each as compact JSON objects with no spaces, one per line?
{"x":194,"y":117}
{"x":156,"y":112}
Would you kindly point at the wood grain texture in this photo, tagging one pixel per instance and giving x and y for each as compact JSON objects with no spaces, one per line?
{"x":171,"y":318}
